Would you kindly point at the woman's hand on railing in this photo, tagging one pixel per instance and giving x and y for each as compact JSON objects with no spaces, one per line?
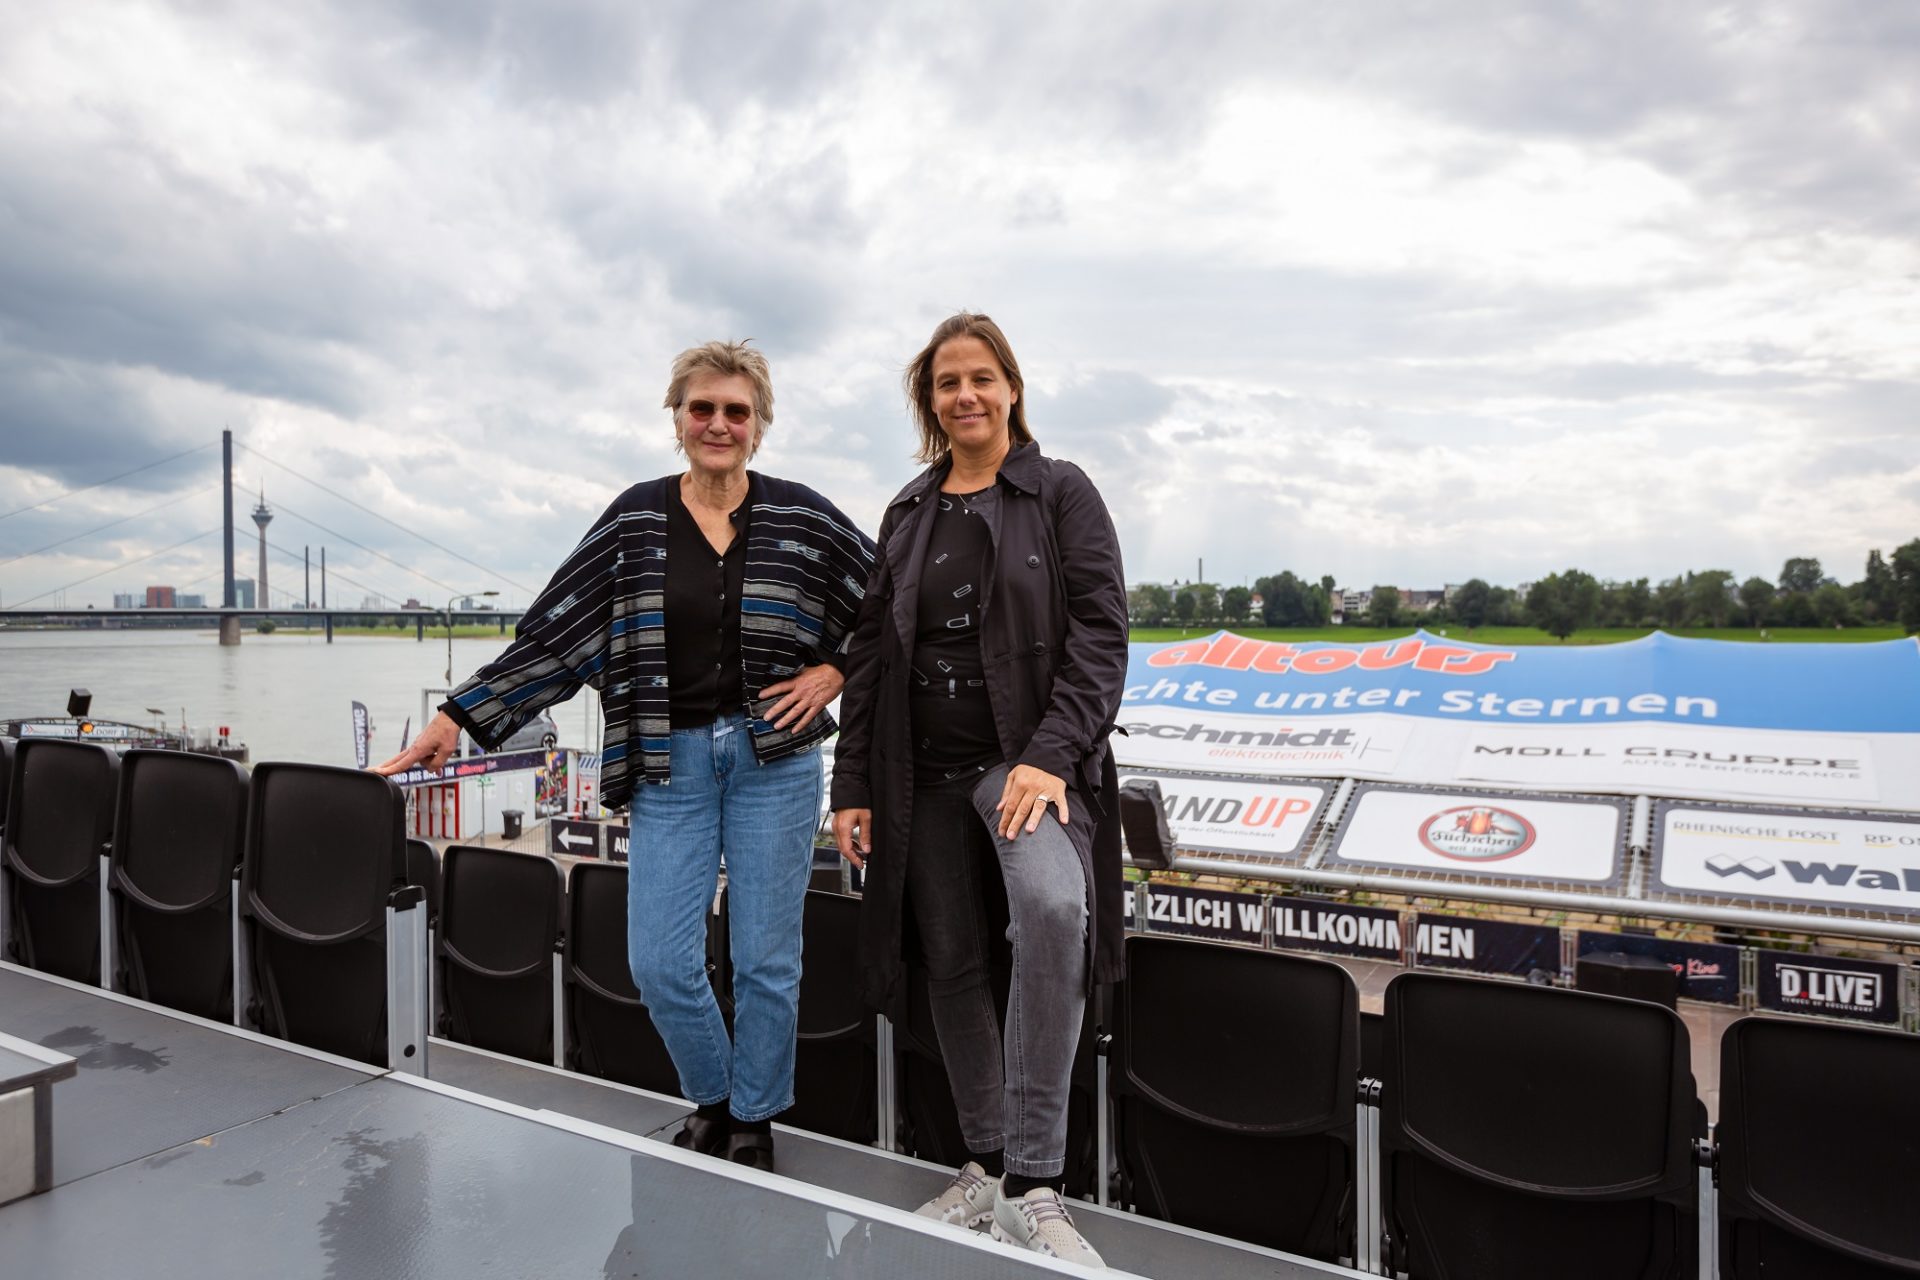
{"x":430,"y":751}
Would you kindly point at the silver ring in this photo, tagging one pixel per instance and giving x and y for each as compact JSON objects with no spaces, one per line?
{"x":1043,"y":799}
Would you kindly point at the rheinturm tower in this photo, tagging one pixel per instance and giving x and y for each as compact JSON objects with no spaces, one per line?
{"x":262,"y":516}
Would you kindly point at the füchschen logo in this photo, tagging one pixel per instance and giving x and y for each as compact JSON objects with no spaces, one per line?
{"x":1477,"y":833}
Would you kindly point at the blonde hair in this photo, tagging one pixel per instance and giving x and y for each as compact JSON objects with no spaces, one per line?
{"x":727,"y":359}
{"x":919,"y":382}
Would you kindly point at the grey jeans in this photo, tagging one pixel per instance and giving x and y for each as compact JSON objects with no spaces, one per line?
{"x":1011,"y":1090}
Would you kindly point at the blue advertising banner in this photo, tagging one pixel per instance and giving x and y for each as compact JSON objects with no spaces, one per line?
{"x":1829,"y":724}
{"x":1485,"y":946}
{"x":1708,"y":970}
{"x":1830,"y":688}
{"x":1372,"y":933}
{"x":1205,"y":913}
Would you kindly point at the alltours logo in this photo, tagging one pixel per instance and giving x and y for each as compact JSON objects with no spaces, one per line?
{"x":1477,"y":833}
{"x":1237,"y":653}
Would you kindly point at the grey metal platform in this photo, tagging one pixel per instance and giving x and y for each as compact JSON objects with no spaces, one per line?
{"x":187,"y":1148}
{"x":1141,"y":1245}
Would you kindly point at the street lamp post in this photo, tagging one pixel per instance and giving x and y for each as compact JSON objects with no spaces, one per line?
{"x":448,"y":615}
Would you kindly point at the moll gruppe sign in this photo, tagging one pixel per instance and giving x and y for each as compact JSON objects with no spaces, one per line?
{"x":1818,"y":724}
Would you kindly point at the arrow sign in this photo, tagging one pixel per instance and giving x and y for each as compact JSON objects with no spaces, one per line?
{"x":580,"y":839}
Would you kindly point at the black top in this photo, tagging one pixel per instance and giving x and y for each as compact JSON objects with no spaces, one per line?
{"x":953,"y":731}
{"x":703,"y":616}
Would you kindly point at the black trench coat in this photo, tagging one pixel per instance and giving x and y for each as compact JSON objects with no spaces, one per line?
{"x":1053,"y":640}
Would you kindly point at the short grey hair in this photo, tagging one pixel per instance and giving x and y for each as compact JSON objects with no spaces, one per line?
{"x":726,"y":359}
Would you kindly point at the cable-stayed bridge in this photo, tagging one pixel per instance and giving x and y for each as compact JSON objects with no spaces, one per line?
{"x":250,"y":600}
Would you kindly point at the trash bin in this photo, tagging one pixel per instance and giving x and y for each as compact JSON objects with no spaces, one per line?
{"x":510,"y":820}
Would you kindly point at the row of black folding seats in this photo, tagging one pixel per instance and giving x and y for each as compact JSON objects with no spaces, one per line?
{"x":506,"y":916}
{"x":320,"y":853}
{"x":1523,"y":1131}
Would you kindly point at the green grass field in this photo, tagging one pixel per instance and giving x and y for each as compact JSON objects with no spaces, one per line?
{"x":1343,"y":635}
{"x":1522,"y":635}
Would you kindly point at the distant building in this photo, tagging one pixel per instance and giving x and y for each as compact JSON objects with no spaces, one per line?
{"x":243,"y":593}
{"x":160,"y":598}
{"x":126,"y":600}
{"x":370,"y":602}
{"x":192,"y":602}
{"x":412,"y":604}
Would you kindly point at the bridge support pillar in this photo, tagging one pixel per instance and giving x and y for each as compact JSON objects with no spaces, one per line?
{"x":329,"y":628}
{"x":420,"y":628}
{"x":229,"y":630}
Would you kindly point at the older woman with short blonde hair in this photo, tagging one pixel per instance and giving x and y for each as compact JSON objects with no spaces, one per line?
{"x":709,"y":609}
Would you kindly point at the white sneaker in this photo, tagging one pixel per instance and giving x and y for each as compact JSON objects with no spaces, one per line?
{"x":1038,"y":1221}
{"x":967,"y":1201}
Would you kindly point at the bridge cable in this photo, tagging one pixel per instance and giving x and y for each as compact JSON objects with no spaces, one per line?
{"x":109,"y":480}
{"x":495,"y":573}
{"x":115,"y":569}
{"x":108,"y":525}
{"x":369,"y":550}
{"x":332,"y":572}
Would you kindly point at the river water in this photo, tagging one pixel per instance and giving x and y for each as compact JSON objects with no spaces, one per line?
{"x":288,"y":697}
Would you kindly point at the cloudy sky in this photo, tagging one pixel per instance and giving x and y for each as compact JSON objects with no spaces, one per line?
{"x":1402,"y":293}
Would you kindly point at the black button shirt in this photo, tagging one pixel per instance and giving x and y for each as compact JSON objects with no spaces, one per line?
{"x":703,"y":616}
{"x":953,"y":731}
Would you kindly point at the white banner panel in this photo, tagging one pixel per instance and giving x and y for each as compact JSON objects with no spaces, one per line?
{"x":1240,"y":815}
{"x":1504,"y":837}
{"x":1821,"y":768}
{"x":1181,"y":738}
{"x":1863,"y":861}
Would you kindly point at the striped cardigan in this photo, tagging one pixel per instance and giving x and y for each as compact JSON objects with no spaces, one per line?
{"x":602,"y":621}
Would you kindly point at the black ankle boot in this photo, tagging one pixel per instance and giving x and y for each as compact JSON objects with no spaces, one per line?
{"x":752,"y":1147}
{"x":708,"y":1137}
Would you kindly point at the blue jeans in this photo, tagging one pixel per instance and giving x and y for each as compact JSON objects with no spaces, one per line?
{"x":763,"y":817}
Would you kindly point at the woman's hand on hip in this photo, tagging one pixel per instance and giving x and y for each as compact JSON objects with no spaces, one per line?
{"x":845,"y":823}
{"x":1028,"y":793}
{"x":429,"y":751}
{"x":803,"y":695}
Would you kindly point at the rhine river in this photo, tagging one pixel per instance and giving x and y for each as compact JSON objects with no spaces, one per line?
{"x":286,"y":696}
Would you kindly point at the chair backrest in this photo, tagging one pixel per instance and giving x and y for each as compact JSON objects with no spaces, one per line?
{"x":499,"y":925}
{"x":1819,"y":1150}
{"x":423,"y":869}
{"x":1234,"y":1073}
{"x":609,"y":1034}
{"x":60,"y":823}
{"x":6,"y":779}
{"x":1528,"y":1130}
{"x":836,"y":1071}
{"x":179,"y":831}
{"x":326,"y":847}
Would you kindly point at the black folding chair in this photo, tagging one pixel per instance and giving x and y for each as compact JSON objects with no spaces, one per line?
{"x":423,"y":872}
{"x":1819,"y":1151}
{"x":1233,"y":1077}
{"x":59,"y":827}
{"x":836,"y":1064}
{"x":6,"y":779}
{"x":335,"y":936}
{"x":499,"y":930}
{"x":609,"y":1033}
{"x":1528,"y":1131}
{"x":180,"y":829}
